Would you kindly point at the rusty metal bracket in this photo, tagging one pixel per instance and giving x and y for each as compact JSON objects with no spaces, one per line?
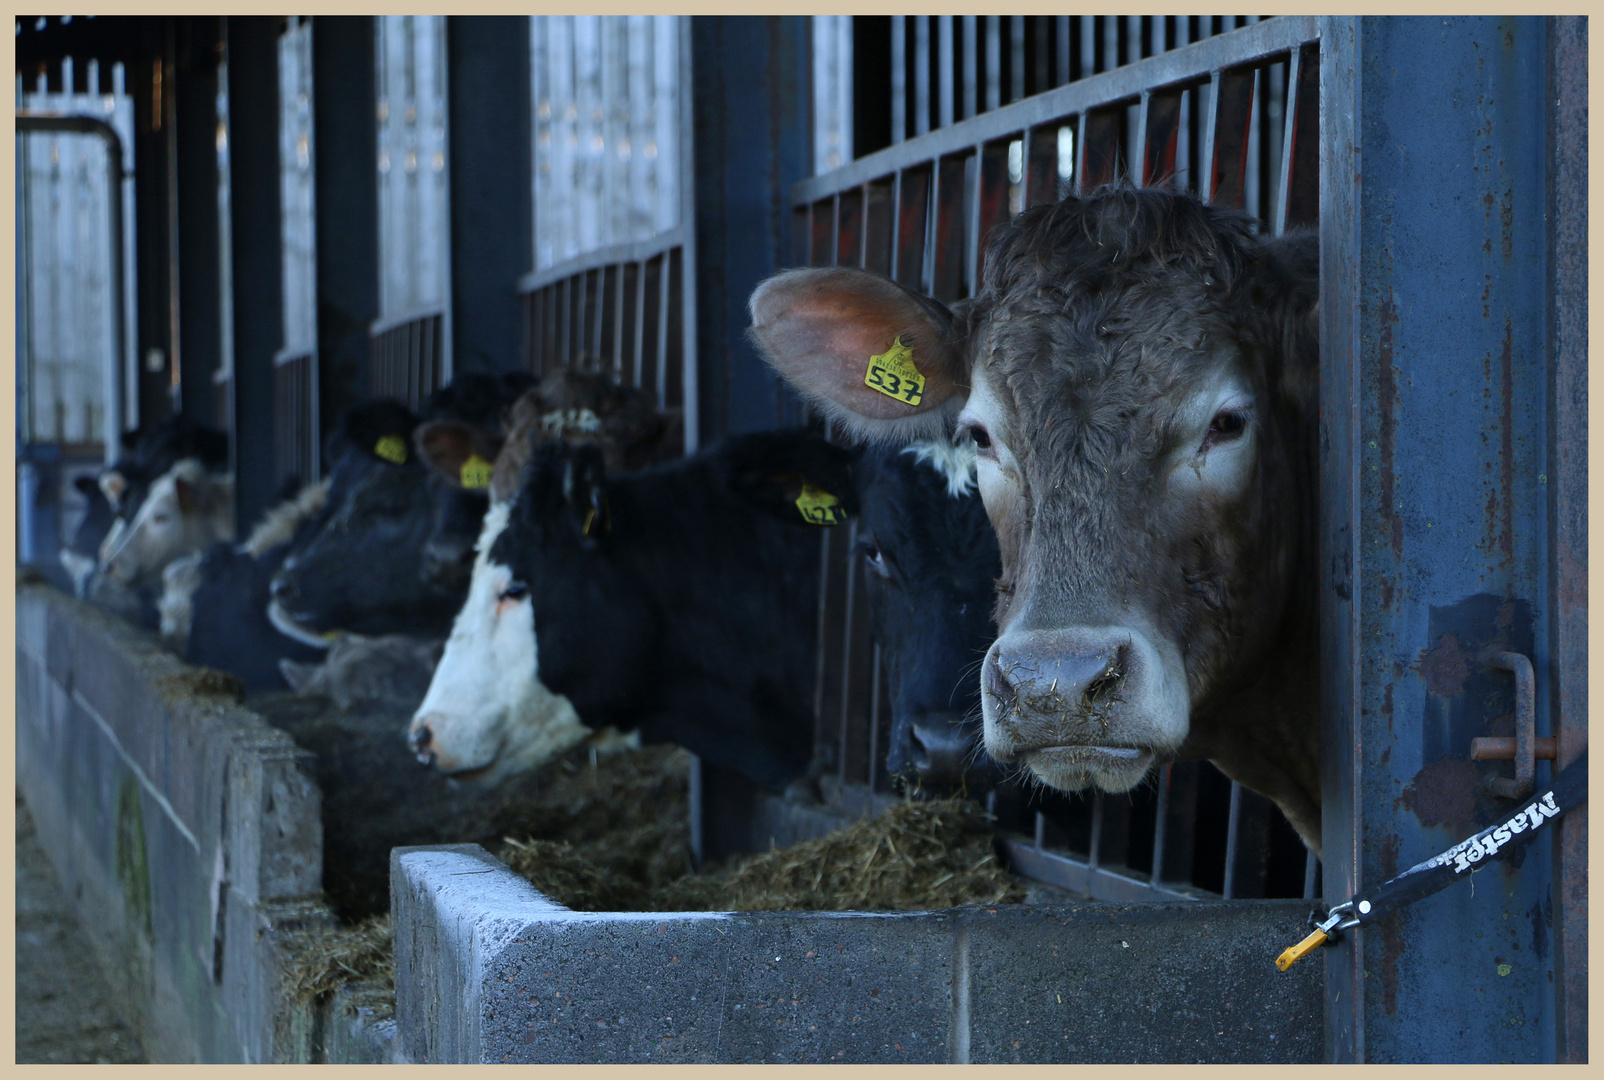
{"x":1524,"y":746}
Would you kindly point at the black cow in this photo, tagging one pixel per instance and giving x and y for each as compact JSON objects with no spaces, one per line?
{"x":679,"y":601}
{"x":930,"y":565}
{"x":377,"y":567}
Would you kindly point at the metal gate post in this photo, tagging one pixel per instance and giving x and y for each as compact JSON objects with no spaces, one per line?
{"x":347,"y":201}
{"x":492,"y":218}
{"x":258,"y":270}
{"x":1435,"y":518}
{"x":751,"y":139}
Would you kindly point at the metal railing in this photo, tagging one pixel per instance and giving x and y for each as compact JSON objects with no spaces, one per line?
{"x":1235,"y":118}
{"x":295,"y":418}
{"x":407,"y":360}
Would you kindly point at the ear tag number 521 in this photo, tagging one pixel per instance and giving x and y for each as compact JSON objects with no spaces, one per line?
{"x":819,"y":507}
{"x":893,"y":374}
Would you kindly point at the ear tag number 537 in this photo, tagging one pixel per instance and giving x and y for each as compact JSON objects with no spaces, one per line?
{"x":893,"y":374}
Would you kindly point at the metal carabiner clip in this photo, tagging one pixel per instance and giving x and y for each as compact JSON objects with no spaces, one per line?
{"x":1326,"y":931}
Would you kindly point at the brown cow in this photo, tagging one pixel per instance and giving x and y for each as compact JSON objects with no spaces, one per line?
{"x":1139,"y":373}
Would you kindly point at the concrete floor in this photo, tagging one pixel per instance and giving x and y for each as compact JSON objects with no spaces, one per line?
{"x":65,"y":1010}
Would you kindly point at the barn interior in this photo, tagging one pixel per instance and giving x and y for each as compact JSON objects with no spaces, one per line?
{"x":238,"y":233}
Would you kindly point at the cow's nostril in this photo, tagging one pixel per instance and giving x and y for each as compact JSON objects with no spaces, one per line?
{"x":420,"y":738}
{"x":1106,"y":683}
{"x":283,"y":588}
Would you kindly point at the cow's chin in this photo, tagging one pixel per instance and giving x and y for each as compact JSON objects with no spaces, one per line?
{"x":1074,"y":768}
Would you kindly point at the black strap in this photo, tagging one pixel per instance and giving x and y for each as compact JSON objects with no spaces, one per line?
{"x":1567,"y":791}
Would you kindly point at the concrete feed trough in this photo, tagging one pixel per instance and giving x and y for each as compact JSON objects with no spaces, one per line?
{"x":191,"y":834}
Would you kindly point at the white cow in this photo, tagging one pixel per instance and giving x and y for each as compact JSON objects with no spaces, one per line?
{"x":186,"y":510}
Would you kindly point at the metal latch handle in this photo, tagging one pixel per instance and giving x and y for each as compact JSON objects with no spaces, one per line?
{"x":1525,"y":731}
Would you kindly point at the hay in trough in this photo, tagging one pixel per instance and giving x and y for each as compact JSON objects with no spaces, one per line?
{"x":323,"y":960}
{"x":914,"y":856}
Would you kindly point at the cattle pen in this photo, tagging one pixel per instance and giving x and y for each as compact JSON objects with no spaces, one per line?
{"x":262,"y":225}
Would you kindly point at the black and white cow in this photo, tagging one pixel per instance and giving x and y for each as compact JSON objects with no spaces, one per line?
{"x":678,"y":601}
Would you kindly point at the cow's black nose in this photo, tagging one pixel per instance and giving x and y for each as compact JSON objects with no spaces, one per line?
{"x":943,"y":746}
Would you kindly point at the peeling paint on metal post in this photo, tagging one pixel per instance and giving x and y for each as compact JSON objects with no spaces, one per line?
{"x":1436,"y":243}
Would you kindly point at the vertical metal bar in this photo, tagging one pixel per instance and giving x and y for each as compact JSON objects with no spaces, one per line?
{"x":1161,"y":814}
{"x":944,"y":68}
{"x":899,"y":78}
{"x":1088,"y":46}
{"x":1298,"y":193}
{"x":921,"y":74}
{"x":1016,"y":43}
{"x":874,"y":716}
{"x":993,"y":61}
{"x":1567,"y":58}
{"x":1096,"y":852}
{"x":971,"y":64}
{"x":1311,"y":864}
{"x":639,"y":347}
{"x":897,"y":228}
{"x":1061,"y":69}
{"x":1041,"y":829}
{"x":1229,"y":891}
{"x":665,"y":293}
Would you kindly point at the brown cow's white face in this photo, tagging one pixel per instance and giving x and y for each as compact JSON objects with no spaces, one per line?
{"x":1087,"y":685}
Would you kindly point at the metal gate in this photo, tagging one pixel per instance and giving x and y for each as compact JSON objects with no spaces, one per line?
{"x":1235,"y":118}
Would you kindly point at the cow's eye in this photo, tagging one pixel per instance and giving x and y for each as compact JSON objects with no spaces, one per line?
{"x":980,"y":435}
{"x":513,"y":593}
{"x":1226,"y":425}
{"x":874,"y":557}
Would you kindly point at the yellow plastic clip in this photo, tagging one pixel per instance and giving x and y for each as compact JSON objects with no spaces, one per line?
{"x":1300,"y":950}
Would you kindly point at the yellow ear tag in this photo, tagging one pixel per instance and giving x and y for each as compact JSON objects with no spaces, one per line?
{"x":392,"y":448}
{"x":893,"y":374}
{"x":819,"y":507}
{"x":476,"y":473}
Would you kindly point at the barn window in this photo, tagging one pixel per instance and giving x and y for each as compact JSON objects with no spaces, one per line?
{"x":65,"y":307}
{"x":411,"y":340}
{"x":608,"y":291}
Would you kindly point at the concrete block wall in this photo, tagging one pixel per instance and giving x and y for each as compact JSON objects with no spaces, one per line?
{"x":187,"y":832}
{"x":489,"y":970}
{"x":185,"y":829}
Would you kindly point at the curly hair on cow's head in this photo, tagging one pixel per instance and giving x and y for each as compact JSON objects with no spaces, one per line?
{"x":1115,"y":237}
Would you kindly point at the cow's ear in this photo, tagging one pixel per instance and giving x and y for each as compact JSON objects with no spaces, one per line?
{"x":112,"y":485}
{"x":886,"y":363}
{"x":461,"y":453}
{"x":796,"y":477}
{"x":585,"y":491}
{"x":189,"y":495}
